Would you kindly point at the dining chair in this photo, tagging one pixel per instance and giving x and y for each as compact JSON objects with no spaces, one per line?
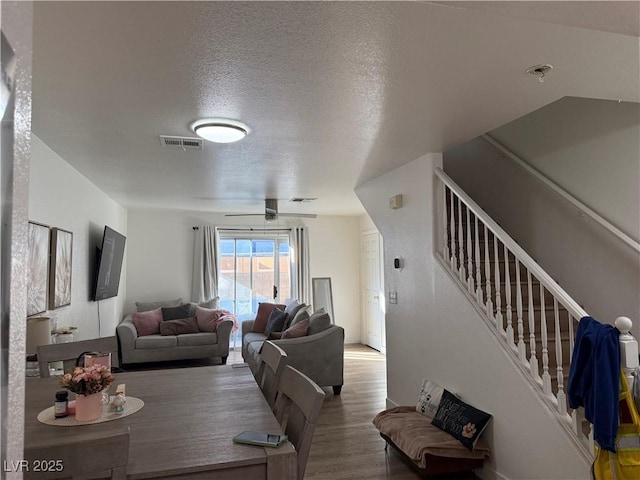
{"x":68,"y":353}
{"x":297,"y":409}
{"x":272,"y":362}
{"x":78,"y":457}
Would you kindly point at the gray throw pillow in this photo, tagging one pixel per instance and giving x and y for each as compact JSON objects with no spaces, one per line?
{"x":179,"y":327}
{"x":213,"y":304}
{"x":302,"y":314}
{"x":175,"y":313}
{"x":275,"y":322}
{"x":146,"y":306}
{"x":319,"y":322}
{"x":292,"y":309}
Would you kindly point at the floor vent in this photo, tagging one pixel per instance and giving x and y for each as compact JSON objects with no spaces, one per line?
{"x":183,"y":143}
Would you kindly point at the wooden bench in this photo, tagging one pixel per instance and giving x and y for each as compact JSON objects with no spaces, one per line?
{"x":424,"y":447}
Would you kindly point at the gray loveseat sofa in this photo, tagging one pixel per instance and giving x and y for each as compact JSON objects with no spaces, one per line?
{"x":134,"y":348}
{"x":319,"y":356}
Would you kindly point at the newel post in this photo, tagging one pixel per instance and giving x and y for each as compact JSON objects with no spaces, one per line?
{"x":628,"y":348}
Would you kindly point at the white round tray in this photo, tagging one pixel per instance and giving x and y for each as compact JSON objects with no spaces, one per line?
{"x":132,"y":406}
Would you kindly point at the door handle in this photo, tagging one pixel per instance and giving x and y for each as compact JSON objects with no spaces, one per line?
{"x":275,"y":292}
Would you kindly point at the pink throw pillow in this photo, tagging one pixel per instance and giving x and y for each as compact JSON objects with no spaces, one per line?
{"x":300,"y":329}
{"x":264,"y":311}
{"x":148,"y":323}
{"x":207,"y":319}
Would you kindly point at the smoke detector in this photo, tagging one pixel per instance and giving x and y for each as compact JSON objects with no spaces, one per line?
{"x":540,"y":71}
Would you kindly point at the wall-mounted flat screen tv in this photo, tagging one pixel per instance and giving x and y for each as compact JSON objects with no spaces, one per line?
{"x":110,"y":259}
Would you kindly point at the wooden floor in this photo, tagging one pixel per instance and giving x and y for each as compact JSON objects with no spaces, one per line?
{"x":346,"y":445}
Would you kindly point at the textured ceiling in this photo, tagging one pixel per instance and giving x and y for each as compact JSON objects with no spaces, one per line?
{"x":335,"y":93}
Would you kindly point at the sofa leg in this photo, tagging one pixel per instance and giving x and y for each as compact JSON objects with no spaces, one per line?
{"x":224,"y":359}
{"x":337,"y":389}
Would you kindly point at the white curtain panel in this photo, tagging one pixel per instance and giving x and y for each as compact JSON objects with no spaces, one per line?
{"x":205,"y":264}
{"x":300,"y":271}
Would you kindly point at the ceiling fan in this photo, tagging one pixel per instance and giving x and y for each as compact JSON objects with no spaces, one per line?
{"x":271,"y":212}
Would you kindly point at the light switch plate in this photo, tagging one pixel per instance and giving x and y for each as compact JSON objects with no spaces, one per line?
{"x":393,"y":297}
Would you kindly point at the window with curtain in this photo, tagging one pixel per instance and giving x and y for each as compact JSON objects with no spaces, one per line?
{"x":253,"y":269}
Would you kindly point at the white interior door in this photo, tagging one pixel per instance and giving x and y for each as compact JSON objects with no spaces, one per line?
{"x":372,"y":295}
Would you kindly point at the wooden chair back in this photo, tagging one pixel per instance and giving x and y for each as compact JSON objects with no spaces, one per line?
{"x":297,"y":409}
{"x":83,"y":455}
{"x":272,"y":362}
{"x":68,"y":353}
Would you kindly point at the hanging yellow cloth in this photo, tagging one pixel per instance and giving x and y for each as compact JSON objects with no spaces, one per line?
{"x":624,"y":463}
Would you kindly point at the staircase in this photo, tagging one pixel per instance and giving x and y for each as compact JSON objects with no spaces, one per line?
{"x":526,"y":309}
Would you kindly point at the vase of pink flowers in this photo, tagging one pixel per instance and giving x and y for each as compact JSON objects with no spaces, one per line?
{"x":88,"y":383}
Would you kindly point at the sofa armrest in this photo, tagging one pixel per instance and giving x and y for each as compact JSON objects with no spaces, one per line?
{"x":319,"y":356}
{"x":127,"y":334}
{"x":223,"y":331}
{"x":247,"y":325}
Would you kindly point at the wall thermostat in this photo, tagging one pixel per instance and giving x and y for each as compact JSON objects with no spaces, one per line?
{"x":395,"y":202}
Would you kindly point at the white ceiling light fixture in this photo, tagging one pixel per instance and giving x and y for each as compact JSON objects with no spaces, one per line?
{"x":220,"y":130}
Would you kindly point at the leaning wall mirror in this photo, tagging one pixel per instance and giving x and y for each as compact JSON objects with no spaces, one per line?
{"x":322,"y":297}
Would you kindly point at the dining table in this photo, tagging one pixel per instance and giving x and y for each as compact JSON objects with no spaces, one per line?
{"x":185,"y":428}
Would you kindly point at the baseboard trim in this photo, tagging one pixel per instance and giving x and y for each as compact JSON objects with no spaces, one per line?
{"x":488,"y":473}
{"x":390,"y":403}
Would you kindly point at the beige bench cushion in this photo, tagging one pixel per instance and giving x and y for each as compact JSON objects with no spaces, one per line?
{"x":413,"y":433}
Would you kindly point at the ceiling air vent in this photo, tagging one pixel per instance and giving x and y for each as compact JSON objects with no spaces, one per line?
{"x":183,"y":143}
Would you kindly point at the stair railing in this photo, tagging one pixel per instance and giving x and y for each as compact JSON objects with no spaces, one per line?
{"x":534,"y":317}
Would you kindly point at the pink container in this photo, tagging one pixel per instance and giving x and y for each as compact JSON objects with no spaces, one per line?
{"x":88,"y":407}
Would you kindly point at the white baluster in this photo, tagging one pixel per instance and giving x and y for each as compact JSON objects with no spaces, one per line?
{"x":452,"y":229}
{"x":478,"y":264}
{"x":499,"y":319}
{"x":571,"y":337}
{"x":577,"y":418}
{"x":445,"y":223}
{"x":561,"y":396}
{"x":507,"y":279}
{"x":546,"y":378}
{"x":522,"y":354}
{"x":487,"y":273}
{"x":533,"y":359}
{"x":470,"y":284}
{"x":463,"y":275}
{"x":452,"y":233}
{"x":628,"y":348}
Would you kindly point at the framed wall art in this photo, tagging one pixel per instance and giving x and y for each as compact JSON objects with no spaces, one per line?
{"x":38,"y":268}
{"x":60,"y":272}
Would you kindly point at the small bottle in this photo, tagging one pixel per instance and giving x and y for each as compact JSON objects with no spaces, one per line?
{"x":61,"y":403}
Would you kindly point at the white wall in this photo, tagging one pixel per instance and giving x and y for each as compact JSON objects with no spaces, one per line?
{"x":434,"y":332}
{"x":16,"y":25}
{"x":600,"y":272}
{"x":589,"y":147}
{"x":366,"y":224}
{"x":160,"y":260}
{"x":59,"y":196}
